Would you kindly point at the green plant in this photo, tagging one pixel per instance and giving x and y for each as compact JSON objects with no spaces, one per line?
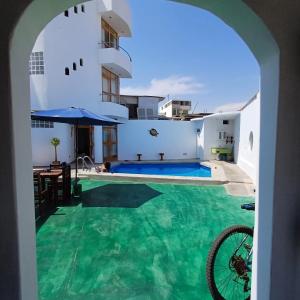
{"x":55,"y":142}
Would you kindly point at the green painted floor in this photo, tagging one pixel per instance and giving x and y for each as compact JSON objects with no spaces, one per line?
{"x":134,"y":241}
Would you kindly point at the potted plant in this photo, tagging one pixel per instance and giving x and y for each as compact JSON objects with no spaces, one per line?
{"x":55,"y":142}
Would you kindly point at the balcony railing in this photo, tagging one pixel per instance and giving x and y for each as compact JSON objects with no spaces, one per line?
{"x":116,"y":46}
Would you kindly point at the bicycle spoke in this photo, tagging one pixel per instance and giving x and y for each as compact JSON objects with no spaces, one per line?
{"x":228,"y":282}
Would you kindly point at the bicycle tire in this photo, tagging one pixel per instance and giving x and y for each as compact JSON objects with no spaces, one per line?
{"x":213,"y":254}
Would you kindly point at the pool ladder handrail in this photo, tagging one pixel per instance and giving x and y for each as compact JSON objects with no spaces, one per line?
{"x":84,"y":164}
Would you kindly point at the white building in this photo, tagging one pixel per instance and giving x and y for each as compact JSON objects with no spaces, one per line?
{"x":78,"y":61}
{"x":175,"y":108}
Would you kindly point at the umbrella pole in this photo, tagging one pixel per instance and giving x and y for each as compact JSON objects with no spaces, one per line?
{"x":76,"y":152}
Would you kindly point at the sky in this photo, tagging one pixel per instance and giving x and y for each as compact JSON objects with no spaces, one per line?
{"x":183,"y":52}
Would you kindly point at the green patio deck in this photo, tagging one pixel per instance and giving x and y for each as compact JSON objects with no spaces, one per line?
{"x":134,"y":241}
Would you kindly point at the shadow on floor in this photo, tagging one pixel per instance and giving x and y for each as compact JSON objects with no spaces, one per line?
{"x":51,"y":210}
{"x":40,"y":221}
{"x":119,"y":195}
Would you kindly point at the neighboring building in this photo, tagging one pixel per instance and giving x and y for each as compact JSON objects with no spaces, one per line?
{"x":142,"y":107}
{"x":175,"y":108}
{"x":78,"y":60}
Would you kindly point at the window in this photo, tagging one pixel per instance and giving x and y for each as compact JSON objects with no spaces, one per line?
{"x":110,"y":38}
{"x":66,"y":13}
{"x":41,"y":124}
{"x":83,"y":8}
{"x":75,"y":10}
{"x":36,"y":63}
{"x":67,"y":71}
{"x":81,"y":62}
{"x":74,"y":67}
{"x":145,"y":113}
{"x":150,"y":113}
{"x":225,"y":122}
{"x":141,"y":112}
{"x":110,"y":86}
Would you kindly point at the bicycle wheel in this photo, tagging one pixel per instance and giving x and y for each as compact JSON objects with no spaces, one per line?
{"x":228,"y":268}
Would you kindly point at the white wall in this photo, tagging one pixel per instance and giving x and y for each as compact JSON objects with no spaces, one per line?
{"x":199,"y":125}
{"x":177,"y":139}
{"x":64,"y":41}
{"x":211,"y":128}
{"x":43,"y":151}
{"x":249,"y":121}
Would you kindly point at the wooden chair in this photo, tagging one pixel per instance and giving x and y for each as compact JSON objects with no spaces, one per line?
{"x":41,"y":196}
{"x":64,"y":184}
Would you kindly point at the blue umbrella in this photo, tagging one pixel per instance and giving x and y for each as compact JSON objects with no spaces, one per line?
{"x":74,"y":116}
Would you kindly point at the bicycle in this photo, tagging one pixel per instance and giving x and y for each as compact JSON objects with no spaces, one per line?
{"x":228,"y":268}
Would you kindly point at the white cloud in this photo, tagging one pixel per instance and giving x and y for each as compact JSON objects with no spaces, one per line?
{"x":230,"y":107}
{"x":172,"y":85}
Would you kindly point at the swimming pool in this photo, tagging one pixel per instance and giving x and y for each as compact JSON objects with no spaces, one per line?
{"x":170,"y":169}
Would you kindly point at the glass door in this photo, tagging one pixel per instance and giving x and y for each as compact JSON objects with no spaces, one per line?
{"x":110,"y":143}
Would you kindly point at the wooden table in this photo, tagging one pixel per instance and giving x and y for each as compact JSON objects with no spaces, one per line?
{"x":53,"y":175}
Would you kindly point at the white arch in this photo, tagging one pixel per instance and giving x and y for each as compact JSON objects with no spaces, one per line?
{"x":234,"y":13}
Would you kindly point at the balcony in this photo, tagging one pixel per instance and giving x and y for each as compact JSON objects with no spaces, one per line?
{"x":116,"y":59}
{"x":113,"y":109}
{"x":117,"y":14}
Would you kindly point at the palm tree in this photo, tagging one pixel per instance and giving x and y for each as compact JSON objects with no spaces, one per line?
{"x":55,"y":142}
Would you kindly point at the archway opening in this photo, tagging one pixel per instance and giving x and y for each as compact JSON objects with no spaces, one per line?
{"x":265,"y":50}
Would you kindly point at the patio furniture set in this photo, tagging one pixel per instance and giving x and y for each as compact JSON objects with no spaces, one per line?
{"x":52,"y":187}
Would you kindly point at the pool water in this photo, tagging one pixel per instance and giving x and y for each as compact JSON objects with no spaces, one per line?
{"x":171,"y":169}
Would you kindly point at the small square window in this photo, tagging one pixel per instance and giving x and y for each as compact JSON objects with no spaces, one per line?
{"x":41,"y":124}
{"x":36,"y":63}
